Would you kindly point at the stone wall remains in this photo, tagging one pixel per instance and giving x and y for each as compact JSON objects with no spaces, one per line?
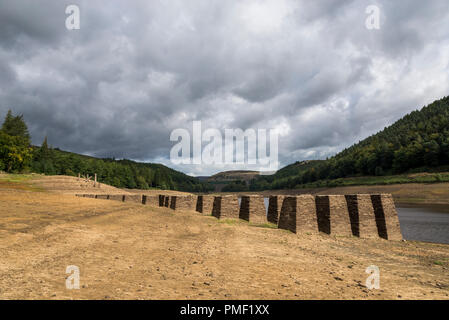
{"x":252,"y":209}
{"x":226,"y":207}
{"x":359,"y":215}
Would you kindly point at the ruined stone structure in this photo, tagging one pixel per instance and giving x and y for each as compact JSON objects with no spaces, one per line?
{"x":299,"y":214}
{"x":364,"y":216}
{"x":161,"y":200}
{"x":226,"y":207}
{"x":150,"y":200}
{"x":183,"y":202}
{"x":274,"y":208}
{"x":133,"y":198}
{"x":204,"y":204}
{"x":117,"y":197}
{"x":333,"y":215}
{"x":252,"y":209}
{"x":387,"y":220}
{"x":360,"y":215}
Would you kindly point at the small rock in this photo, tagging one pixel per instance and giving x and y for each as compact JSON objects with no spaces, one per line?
{"x":338,"y":278}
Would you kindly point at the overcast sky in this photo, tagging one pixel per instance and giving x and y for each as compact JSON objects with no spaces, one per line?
{"x":136,"y":70}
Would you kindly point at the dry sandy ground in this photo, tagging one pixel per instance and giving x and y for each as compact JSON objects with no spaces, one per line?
{"x":131,"y":251}
{"x":73,"y":185}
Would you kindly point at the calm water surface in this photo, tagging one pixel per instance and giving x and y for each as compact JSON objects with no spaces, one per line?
{"x":429,"y":224}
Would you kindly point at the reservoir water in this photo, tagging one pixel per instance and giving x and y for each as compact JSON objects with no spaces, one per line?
{"x":429,"y":224}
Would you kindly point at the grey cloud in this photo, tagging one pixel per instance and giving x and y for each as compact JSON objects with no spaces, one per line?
{"x":136,"y":71}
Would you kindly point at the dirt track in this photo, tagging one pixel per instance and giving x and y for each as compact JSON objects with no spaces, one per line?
{"x":127,"y":251}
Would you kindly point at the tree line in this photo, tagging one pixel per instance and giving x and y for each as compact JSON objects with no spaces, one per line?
{"x":17,"y":155}
{"x":418,"y":142}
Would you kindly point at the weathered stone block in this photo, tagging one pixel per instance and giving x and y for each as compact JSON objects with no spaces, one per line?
{"x":387,"y":219}
{"x":187,"y":202}
{"x":323,"y":214}
{"x":150,"y":200}
{"x":339,"y":216}
{"x":133,"y":198}
{"x":274,"y":208}
{"x":306,"y":218}
{"x":117,"y":197}
{"x":226,"y":207}
{"x":298,"y":214}
{"x":333,"y":215}
{"x":361,"y":215}
{"x":252,"y":209}
{"x":161,"y":200}
{"x":204,"y":204}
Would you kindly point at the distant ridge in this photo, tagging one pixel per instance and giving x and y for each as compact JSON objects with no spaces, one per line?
{"x":419,"y":142}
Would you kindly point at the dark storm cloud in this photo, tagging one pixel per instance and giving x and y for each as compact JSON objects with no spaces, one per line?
{"x":137,"y":70}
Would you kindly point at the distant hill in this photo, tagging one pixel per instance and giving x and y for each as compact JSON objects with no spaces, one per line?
{"x":117,"y":173}
{"x":418,"y":142}
{"x":233,"y":180}
{"x":234,"y":175}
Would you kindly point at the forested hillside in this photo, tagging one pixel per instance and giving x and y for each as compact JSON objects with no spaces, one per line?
{"x":16,"y":155}
{"x":417,"y":142}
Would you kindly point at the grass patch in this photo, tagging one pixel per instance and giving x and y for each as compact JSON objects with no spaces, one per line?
{"x":230,"y":221}
{"x":12,"y":177}
{"x":439,"y":263}
{"x":18,"y":182}
{"x":379,"y":180}
{"x":264,"y":225}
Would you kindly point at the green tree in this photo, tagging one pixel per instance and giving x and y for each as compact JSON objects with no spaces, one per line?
{"x":15,"y":154}
{"x":15,"y":126}
{"x":15,"y":151}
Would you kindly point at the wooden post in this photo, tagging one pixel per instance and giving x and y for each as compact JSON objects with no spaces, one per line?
{"x":95,"y":181}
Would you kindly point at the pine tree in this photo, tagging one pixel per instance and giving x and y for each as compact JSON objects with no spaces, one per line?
{"x":44,"y":151}
{"x":15,"y":151}
{"x":15,"y":126}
